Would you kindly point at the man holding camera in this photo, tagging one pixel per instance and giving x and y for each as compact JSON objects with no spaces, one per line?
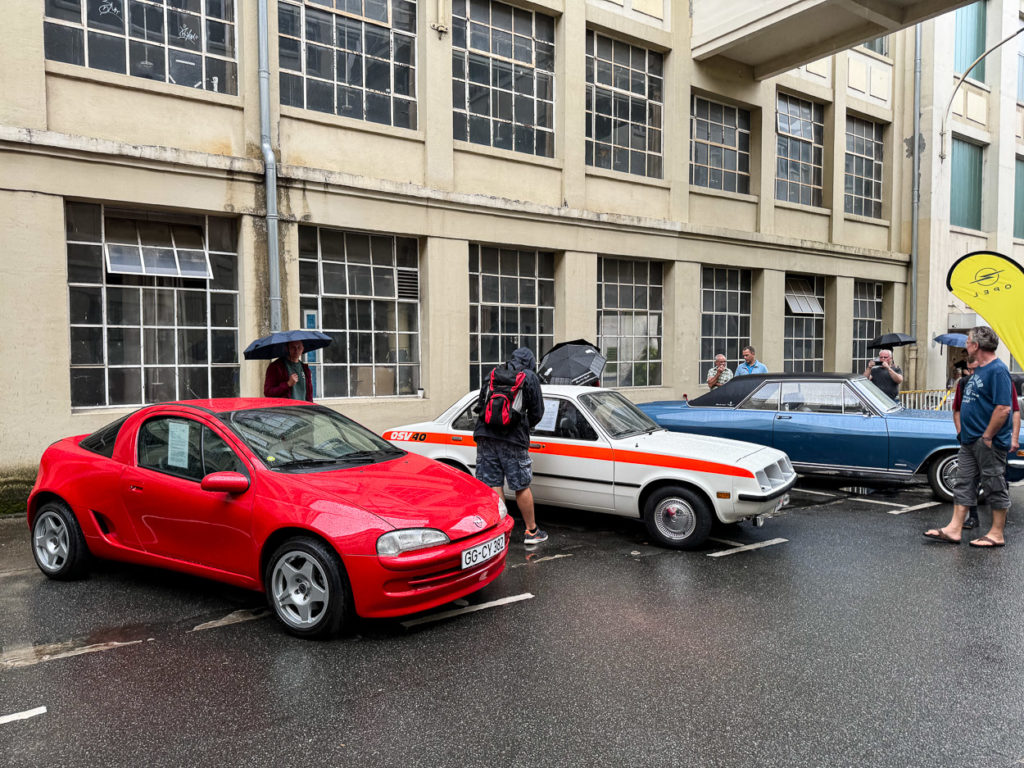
{"x":884,"y":375}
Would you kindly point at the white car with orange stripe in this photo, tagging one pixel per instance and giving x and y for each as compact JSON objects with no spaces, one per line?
{"x":595,"y":450}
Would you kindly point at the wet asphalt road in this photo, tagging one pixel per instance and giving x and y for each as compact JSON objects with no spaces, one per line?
{"x":854,"y":642}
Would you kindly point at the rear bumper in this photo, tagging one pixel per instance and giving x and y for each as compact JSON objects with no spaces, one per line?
{"x":385,"y":587}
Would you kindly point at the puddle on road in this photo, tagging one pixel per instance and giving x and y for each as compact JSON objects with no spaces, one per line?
{"x":28,"y":656}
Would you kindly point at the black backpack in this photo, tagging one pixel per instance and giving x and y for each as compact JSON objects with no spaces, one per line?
{"x":503,"y":406}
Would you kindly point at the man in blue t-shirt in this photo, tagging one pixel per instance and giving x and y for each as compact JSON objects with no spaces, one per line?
{"x":985,"y":437}
{"x":750,"y":363}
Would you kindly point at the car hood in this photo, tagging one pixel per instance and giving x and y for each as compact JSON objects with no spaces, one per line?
{"x":913,"y":413}
{"x":685,"y":445}
{"x":410,"y":492}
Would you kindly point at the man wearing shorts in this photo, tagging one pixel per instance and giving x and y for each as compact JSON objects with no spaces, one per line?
{"x":503,"y":454}
{"x":985,"y":437}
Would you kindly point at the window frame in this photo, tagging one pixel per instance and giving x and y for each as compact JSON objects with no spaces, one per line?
{"x":740,"y":117}
{"x":813,"y":138}
{"x":617,"y":370}
{"x":859,"y":163}
{"x":726,"y":293}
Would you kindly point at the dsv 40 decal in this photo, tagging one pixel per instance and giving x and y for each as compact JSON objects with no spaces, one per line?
{"x":418,"y":437}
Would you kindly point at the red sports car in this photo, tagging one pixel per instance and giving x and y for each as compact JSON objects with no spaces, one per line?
{"x":294,"y":499}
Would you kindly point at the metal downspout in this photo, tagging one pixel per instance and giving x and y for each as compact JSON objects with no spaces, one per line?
{"x":915,"y":196}
{"x":270,"y":170}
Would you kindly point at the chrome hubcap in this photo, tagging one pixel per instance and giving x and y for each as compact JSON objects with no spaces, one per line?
{"x":50,"y":539}
{"x":675,"y":519}
{"x":948,"y":474}
{"x":299,"y":588}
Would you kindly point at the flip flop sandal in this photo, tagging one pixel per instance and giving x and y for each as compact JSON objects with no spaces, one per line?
{"x":991,"y":544}
{"x":941,"y":536}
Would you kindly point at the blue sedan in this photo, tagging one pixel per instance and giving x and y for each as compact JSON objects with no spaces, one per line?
{"x":828,"y":423}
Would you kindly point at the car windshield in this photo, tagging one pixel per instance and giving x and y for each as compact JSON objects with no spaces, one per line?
{"x":875,"y":396}
{"x":307,"y":437}
{"x":617,"y":415}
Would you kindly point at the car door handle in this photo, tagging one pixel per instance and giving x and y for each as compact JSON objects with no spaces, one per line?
{"x":456,"y":439}
{"x":133,"y":487}
{"x":783,"y":417}
{"x":536,"y":446}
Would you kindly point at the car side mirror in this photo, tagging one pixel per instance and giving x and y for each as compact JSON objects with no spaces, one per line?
{"x":225,"y":482}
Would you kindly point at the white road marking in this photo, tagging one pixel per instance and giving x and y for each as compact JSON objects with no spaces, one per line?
{"x":23,"y":715}
{"x":539,"y":560}
{"x":16,"y":572}
{"x":35,"y":654}
{"x":876,"y":501}
{"x":814,"y":493}
{"x":236,"y":617}
{"x":747,"y":547}
{"x":726,"y":541}
{"x":468,"y":609}
{"x":914,"y":508}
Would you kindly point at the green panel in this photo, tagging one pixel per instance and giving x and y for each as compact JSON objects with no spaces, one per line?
{"x":970,"y":40}
{"x":1018,"y":201}
{"x":965,"y":185}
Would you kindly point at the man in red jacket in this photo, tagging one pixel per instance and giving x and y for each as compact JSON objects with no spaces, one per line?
{"x":289,"y":377}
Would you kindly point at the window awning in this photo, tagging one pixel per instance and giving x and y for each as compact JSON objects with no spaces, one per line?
{"x":800,"y":298}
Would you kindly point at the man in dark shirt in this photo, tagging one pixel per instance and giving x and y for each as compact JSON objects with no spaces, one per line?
{"x":886,"y":376}
{"x":503,"y":454}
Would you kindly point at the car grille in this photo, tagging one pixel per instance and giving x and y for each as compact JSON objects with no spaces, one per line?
{"x":775,"y":475}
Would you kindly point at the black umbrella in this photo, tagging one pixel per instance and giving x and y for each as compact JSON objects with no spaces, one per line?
{"x":890,"y":340}
{"x":572,"y":362}
{"x":276,"y":344}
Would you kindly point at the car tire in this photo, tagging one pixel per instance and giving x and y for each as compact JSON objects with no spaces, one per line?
{"x":307,"y":588}
{"x":58,"y":544}
{"x":678,"y":517}
{"x":942,"y":476}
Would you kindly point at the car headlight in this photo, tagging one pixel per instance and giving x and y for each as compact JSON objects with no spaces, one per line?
{"x":502,"y":509}
{"x":408,"y":539}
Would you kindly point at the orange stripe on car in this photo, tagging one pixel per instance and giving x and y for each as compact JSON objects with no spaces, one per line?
{"x":583,"y":452}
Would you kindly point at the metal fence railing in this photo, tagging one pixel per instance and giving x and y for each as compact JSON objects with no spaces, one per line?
{"x":928,"y":399}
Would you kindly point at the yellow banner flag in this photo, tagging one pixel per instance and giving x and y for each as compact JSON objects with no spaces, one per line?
{"x":993,"y":286}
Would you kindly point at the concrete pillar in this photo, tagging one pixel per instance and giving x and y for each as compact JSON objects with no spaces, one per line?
{"x":681,"y":339}
{"x":838,"y":323}
{"x":23,"y":62}
{"x":253,"y":303}
{"x":444,"y":315}
{"x":768,"y":316}
{"x":835,"y":148}
{"x":571,"y":105}
{"x":575,"y":298}
{"x":435,"y":97}
{"x":676,"y":133}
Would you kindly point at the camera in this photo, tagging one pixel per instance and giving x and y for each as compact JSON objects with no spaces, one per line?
{"x":877,"y":361}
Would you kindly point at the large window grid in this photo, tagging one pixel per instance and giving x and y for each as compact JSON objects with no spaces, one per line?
{"x":804,"y":339}
{"x":629,"y":321}
{"x":625,"y":103}
{"x":362,"y":290}
{"x":969,"y":39}
{"x":800,"y":150}
{"x":863,"y":181}
{"x":511,"y":305}
{"x":139,"y":339}
{"x":358,"y":60}
{"x":867,"y":321}
{"x":719,"y":146}
{"x":184,"y":42}
{"x":725,"y":315}
{"x":503,"y":77}
{"x":879,"y":45}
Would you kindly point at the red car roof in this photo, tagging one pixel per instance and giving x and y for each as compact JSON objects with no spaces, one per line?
{"x":226,"y":404}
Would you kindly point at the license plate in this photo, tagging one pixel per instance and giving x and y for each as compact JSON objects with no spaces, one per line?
{"x":483,"y":552}
{"x":782,"y":502}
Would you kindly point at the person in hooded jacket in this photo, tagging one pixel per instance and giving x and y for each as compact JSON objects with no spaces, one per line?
{"x":503,"y":454}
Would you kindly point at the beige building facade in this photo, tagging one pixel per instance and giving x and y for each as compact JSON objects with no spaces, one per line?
{"x":457,"y":178}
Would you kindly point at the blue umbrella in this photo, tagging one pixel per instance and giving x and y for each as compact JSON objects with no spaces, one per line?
{"x":276,"y":344}
{"x":952,"y":339}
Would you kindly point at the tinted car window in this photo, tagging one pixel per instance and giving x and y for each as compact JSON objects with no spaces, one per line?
{"x":102,"y":440}
{"x":466,"y":421}
{"x":766,"y":398}
{"x":567,"y":422}
{"x":218,"y":455}
{"x":173,"y":446}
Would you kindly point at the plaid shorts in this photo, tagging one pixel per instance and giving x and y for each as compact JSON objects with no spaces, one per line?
{"x":498,"y":461}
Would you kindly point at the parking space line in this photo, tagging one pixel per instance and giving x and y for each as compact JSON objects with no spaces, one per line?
{"x":726,"y":541}
{"x":914,"y":508}
{"x":540,"y":560}
{"x":876,"y":501}
{"x":235,"y":617}
{"x":35,"y":654}
{"x":814,"y":493}
{"x":747,"y":547}
{"x":467,"y":609}
{"x":23,"y":715}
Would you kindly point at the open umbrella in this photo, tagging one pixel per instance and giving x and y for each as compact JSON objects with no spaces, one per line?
{"x":572,"y":362}
{"x":276,"y":344}
{"x":952,"y":339}
{"x":891,"y":340}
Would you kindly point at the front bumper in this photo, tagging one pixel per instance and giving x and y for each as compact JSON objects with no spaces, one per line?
{"x":417,"y":581}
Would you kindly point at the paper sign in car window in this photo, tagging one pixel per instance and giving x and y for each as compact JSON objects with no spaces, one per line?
{"x":177,"y":444}
{"x":547,"y":422}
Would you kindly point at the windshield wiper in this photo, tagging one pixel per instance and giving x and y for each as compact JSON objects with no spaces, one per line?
{"x":305,"y":463}
{"x":363,"y":455}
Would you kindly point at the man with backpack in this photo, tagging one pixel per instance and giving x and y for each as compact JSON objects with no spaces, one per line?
{"x":509,"y":406}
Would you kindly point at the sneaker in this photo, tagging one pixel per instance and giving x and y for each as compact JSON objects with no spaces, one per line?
{"x":535,"y":537}
{"x":969,"y":523}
